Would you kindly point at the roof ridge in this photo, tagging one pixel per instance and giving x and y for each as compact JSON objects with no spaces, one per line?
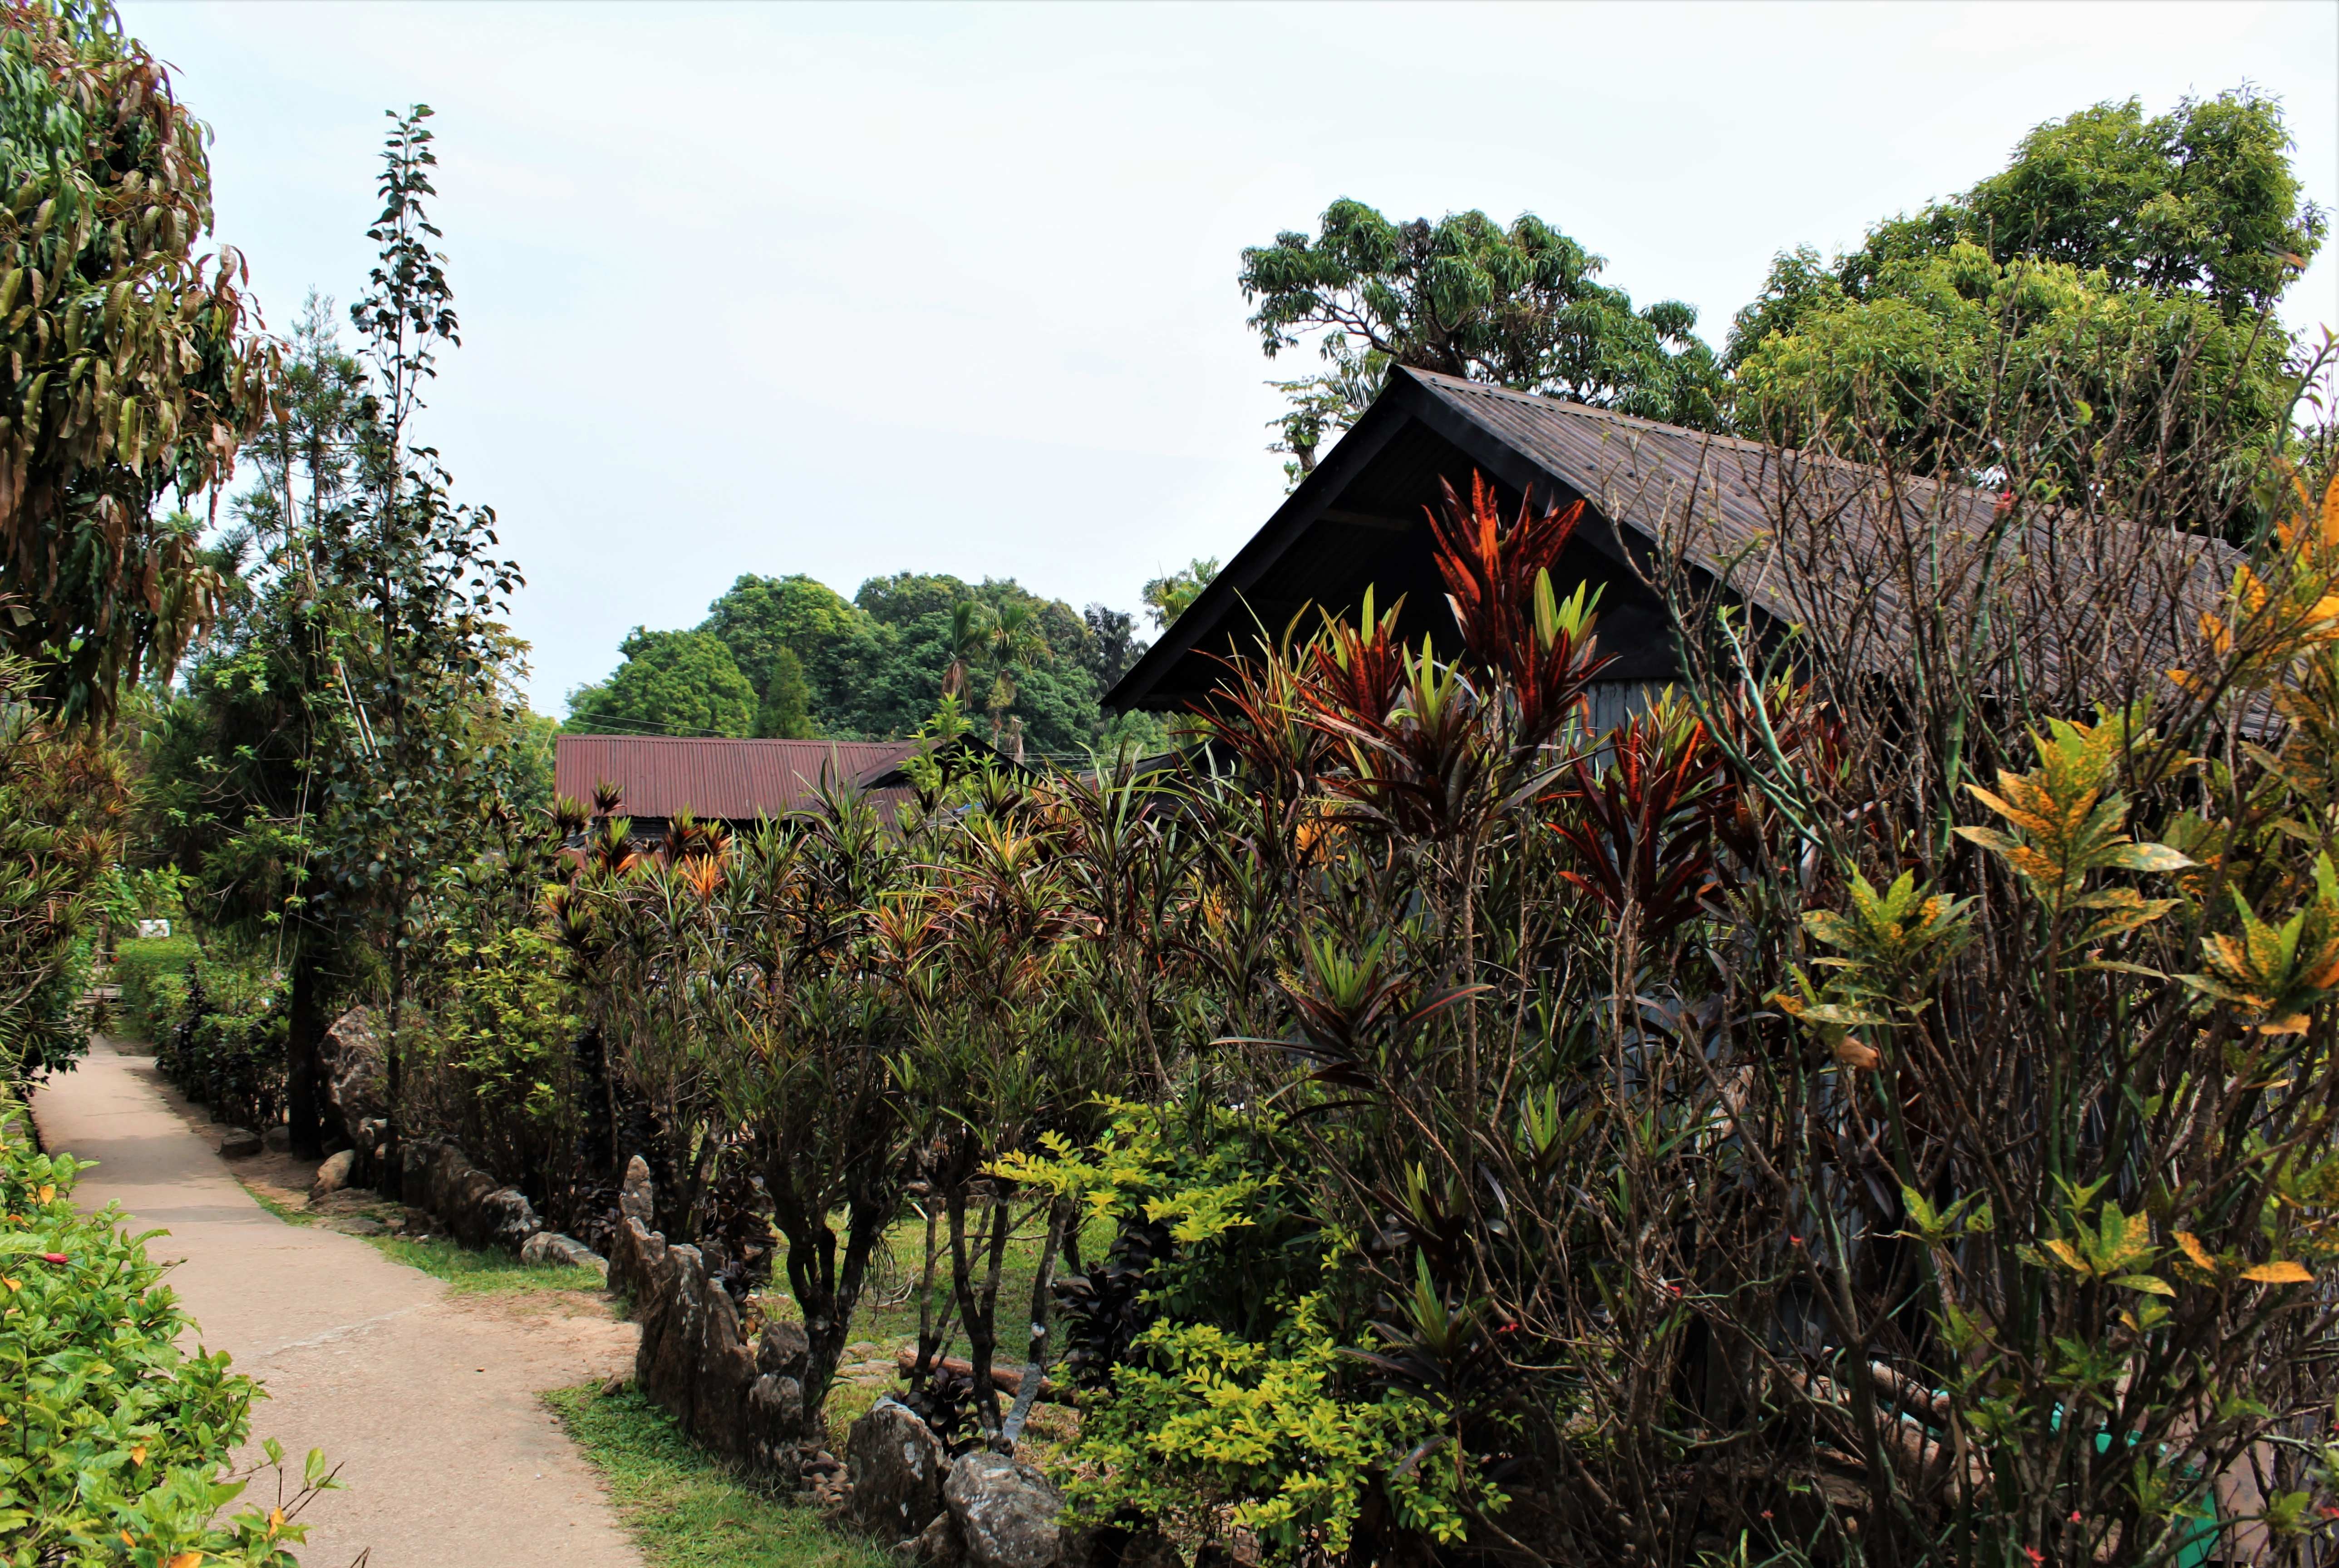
{"x":1540,"y":401}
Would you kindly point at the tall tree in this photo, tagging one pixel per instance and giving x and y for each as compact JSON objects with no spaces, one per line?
{"x":1113,"y":645}
{"x":671,"y":683}
{"x":1169,"y":596}
{"x":2111,"y":246}
{"x":759,"y":617}
{"x":233,"y":787}
{"x":430,"y":724}
{"x":128,"y":369}
{"x":1521,"y":307}
{"x":786,"y":712}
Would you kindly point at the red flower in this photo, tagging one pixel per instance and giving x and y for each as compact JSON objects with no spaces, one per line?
{"x":54,"y":1257}
{"x":2035,"y":1554}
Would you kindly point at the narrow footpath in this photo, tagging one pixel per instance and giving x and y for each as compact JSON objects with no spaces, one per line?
{"x":427,"y":1401}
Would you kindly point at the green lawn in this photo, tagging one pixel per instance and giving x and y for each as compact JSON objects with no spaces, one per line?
{"x":684,"y":1508}
{"x":483,"y":1273}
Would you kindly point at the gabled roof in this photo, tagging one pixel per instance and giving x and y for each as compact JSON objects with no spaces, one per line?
{"x":1643,"y":484}
{"x":733,"y":781}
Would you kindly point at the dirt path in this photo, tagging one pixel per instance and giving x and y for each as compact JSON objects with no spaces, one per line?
{"x":427,"y":1401}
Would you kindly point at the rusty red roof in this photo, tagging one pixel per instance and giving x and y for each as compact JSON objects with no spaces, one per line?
{"x":733,"y":781}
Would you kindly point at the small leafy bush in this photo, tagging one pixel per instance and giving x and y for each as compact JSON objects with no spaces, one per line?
{"x":113,"y":1441}
{"x":1277,"y":1436}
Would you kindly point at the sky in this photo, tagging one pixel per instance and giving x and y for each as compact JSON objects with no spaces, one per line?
{"x":863,"y":290}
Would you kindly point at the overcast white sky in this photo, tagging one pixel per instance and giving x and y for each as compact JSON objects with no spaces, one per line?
{"x":856,"y":290}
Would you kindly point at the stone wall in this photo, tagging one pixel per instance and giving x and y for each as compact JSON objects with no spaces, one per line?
{"x":745,"y":1404}
{"x":434,"y":1175}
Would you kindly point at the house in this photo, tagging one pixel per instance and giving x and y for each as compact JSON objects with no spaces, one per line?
{"x":735,"y":781}
{"x":1358,"y":520}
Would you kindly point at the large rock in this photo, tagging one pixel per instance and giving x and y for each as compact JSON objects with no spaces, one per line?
{"x":694,"y":1361}
{"x":277,"y":1140}
{"x":334,"y":1175}
{"x":637,"y":1210}
{"x":746,"y":1404}
{"x":1006,"y":1512}
{"x":936,"y":1546}
{"x":348,"y":1066}
{"x":896,"y":1464}
{"x":477,"y":1209}
{"x":549,"y":1247}
{"x":239,"y":1143}
{"x":637,"y":1197}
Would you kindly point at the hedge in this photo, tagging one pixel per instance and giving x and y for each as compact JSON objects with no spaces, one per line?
{"x":139,"y":962}
{"x":115,"y":1443}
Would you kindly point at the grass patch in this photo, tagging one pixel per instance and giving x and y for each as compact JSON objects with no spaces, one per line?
{"x":683,"y":1508}
{"x":277,"y":1206}
{"x":473,"y":1273}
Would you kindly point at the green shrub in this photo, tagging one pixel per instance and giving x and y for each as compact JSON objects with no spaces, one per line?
{"x":139,"y":964}
{"x":1278,"y":1434}
{"x":219,"y":1025}
{"x":116,"y":1442}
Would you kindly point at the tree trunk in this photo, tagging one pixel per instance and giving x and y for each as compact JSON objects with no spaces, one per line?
{"x":1061,"y":1213}
{"x":304,"y":1107}
{"x":393,"y":1157}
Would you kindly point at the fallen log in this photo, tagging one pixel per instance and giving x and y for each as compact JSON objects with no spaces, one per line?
{"x":1006,"y":1379}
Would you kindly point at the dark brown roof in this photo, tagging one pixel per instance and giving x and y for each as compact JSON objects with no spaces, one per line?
{"x":729,"y":780}
{"x":1648,"y":487}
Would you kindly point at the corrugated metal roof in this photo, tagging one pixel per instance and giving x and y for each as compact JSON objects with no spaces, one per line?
{"x":730,"y":780}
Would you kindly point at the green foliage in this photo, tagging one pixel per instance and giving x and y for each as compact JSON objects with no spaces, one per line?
{"x":1275,"y":1433}
{"x":1915,"y":358}
{"x":64,"y":799}
{"x":1519,"y":307}
{"x":2202,"y":198}
{"x":493,"y":1066}
{"x":2200,"y":201}
{"x":2109,"y":250}
{"x":117,"y":1440}
{"x":760,"y":619}
{"x":1226,"y":1190}
{"x":130,"y":367}
{"x":683,"y":1508}
{"x":786,"y":712}
{"x":152,"y":973}
{"x":672,"y":684}
{"x":1167,"y":597}
{"x":219,"y":1029}
{"x":872,"y":669}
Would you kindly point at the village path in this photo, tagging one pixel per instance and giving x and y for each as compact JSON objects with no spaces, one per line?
{"x":427,"y":1402}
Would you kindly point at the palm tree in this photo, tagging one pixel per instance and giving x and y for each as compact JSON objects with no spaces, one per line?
{"x":1015,"y":640}
{"x":968,"y":638}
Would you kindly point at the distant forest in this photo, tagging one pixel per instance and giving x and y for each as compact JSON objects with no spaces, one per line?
{"x":790,"y":657}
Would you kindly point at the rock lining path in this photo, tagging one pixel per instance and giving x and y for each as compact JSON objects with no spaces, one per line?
{"x":427,"y":1401}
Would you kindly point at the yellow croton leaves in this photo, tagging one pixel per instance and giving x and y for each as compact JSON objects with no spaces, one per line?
{"x":2286,"y":1272}
{"x":2069,"y":823}
{"x":2276,"y":972}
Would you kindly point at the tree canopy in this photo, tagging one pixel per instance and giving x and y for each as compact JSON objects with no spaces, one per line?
{"x":130,"y":370}
{"x":1521,"y":307}
{"x":787,"y":657}
{"x":2112,"y":247}
{"x":2200,"y":201}
{"x":1172,"y":594}
{"x":671,"y":683}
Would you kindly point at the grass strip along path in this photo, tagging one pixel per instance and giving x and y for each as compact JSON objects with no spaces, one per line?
{"x":426,"y":1398}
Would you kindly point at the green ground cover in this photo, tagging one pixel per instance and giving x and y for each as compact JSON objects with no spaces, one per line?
{"x":684,"y":1508}
{"x":472,"y":1273}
